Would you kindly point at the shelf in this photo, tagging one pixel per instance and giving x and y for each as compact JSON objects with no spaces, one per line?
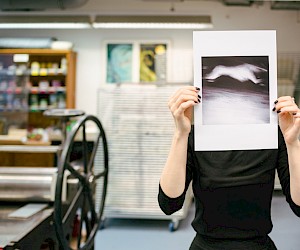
{"x":34,"y":90}
{"x":45,"y":80}
{"x":4,"y":110}
{"x":50,"y":90}
{"x":29,"y":148}
{"x":17,"y":90}
{"x":28,"y":72}
{"x":44,"y":52}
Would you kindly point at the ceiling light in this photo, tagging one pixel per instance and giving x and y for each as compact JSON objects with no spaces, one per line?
{"x":238,"y":2}
{"x":285,"y":5}
{"x":44,"y":22}
{"x":153,"y":22}
{"x":106,"y":22}
{"x":44,"y":26}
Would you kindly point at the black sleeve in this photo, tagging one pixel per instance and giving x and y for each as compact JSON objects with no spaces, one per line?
{"x":171,"y":205}
{"x":284,"y":174}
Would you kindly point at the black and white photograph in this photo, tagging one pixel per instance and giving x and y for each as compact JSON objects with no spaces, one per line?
{"x":236,"y":72}
{"x":235,"y":90}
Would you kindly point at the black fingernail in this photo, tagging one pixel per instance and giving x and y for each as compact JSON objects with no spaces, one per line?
{"x":276,"y":102}
{"x":195,"y":102}
{"x":199,"y":100}
{"x":278,"y":111}
{"x":199,"y":96}
{"x":274,"y":109}
{"x":197,"y":88}
{"x":294,"y":113}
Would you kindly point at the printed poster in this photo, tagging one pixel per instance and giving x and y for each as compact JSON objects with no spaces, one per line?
{"x":119,"y":63}
{"x":153,"y":62}
{"x":236,"y":72}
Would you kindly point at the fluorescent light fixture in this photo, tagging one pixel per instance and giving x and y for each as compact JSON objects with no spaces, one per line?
{"x":44,"y":22}
{"x":238,"y":2}
{"x":153,"y":22}
{"x":285,"y":5}
{"x":44,"y":26}
{"x":106,"y":22}
{"x":151,"y":26}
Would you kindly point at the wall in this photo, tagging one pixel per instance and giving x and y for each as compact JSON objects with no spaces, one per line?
{"x":88,"y":43}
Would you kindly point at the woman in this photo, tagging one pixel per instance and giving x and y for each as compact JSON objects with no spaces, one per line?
{"x":232,"y":189}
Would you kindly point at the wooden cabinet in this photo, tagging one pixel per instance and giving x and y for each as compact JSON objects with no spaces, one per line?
{"x":33,"y":80}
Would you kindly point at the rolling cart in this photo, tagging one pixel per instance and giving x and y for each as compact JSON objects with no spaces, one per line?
{"x":140,"y":127}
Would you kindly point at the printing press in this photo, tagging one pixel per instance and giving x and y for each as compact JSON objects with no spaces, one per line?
{"x":57,"y":207}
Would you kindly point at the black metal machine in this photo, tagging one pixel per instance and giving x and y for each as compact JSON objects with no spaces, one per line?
{"x":67,"y":213}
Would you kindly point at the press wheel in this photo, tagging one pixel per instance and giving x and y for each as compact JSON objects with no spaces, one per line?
{"x":83,"y":206}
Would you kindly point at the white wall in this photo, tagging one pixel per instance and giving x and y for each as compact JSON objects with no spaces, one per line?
{"x":88,"y":43}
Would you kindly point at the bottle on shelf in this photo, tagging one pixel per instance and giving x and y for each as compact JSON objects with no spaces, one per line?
{"x":35,"y":68}
{"x":43,"y":69}
{"x":43,"y":105}
{"x":52,"y":101}
{"x":61,"y":100}
{"x":34,"y":102}
{"x":44,"y":86}
{"x":2,"y":101}
{"x":63,"y":66}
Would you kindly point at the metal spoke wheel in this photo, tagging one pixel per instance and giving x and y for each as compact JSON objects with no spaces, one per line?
{"x":77,"y":219}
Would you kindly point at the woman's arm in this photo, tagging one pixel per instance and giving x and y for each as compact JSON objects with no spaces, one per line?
{"x":173,"y":176}
{"x":289,"y":122}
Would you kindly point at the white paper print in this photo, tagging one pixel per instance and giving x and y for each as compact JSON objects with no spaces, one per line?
{"x":236,"y":74}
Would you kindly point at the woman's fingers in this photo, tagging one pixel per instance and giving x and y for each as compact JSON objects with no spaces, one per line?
{"x":184,"y":98}
{"x":182,"y":108}
{"x":297,"y":114}
{"x":286,"y":104}
{"x":180,"y":105}
{"x":182,"y":95}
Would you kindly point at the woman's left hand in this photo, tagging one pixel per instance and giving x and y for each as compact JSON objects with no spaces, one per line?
{"x":289,"y":118}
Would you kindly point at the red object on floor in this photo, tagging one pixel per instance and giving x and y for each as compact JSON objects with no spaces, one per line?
{"x":76,"y":226}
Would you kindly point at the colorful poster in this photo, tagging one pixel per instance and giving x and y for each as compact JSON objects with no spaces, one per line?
{"x":153,"y":62}
{"x":119,"y":63}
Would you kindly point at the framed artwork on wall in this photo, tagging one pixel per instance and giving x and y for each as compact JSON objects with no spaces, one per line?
{"x":153,"y":62}
{"x":135,"y":61}
{"x":119,"y":62}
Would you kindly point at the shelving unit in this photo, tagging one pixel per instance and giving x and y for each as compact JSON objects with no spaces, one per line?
{"x":33,"y":80}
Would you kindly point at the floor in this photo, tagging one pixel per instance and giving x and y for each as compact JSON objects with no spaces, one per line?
{"x":129,"y":234}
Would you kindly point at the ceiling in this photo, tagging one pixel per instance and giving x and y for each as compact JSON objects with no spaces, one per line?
{"x":140,"y":7}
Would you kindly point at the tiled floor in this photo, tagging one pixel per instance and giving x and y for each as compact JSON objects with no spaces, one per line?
{"x":128,"y":234}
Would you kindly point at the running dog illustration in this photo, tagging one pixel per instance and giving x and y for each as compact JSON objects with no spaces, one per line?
{"x":242,"y":73}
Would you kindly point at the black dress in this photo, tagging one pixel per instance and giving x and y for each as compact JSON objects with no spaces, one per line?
{"x":233,"y":192}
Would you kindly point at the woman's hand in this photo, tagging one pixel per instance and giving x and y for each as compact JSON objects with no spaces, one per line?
{"x":289,"y":118}
{"x":181,"y":105}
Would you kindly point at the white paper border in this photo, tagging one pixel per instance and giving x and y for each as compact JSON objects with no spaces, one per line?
{"x":235,"y":43}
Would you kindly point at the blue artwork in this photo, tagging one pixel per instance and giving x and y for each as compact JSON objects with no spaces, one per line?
{"x":119,"y":63}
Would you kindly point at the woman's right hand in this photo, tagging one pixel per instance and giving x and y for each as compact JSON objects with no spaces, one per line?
{"x":181,"y":105}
